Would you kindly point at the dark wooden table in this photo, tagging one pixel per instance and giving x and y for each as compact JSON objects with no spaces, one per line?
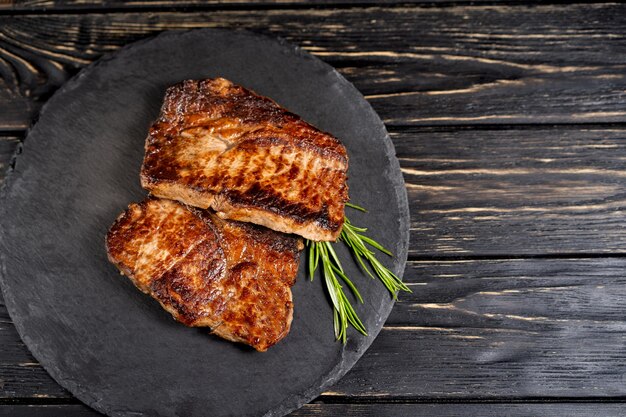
{"x":509,"y":123}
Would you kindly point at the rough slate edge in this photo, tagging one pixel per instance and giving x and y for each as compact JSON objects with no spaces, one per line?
{"x":349,"y":358}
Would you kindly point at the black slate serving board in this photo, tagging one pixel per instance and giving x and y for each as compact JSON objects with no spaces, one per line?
{"x":115,"y":348}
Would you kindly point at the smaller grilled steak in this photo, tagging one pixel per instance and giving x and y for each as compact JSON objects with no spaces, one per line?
{"x":219,"y":145}
{"x":233,"y":277}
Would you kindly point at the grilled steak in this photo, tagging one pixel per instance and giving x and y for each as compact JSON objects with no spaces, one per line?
{"x":233,"y":277}
{"x":220,"y":145}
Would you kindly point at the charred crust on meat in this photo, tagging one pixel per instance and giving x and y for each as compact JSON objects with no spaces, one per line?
{"x":205,"y":271}
{"x":216,"y":141}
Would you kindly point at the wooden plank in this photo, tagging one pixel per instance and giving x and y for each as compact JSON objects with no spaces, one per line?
{"x":74,"y":410}
{"x":488,"y":329}
{"x":501,"y":329}
{"x":461,"y":410}
{"x":514,"y":294}
{"x":72,"y":5}
{"x":416,"y":65}
{"x":375,"y":410}
{"x":494,"y":192}
{"x":514,"y":192}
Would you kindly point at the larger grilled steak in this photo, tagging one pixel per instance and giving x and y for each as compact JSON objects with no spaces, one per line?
{"x":233,"y":277}
{"x":220,"y":145}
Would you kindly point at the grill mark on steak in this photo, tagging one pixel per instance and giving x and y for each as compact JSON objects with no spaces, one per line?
{"x":220,"y":145}
{"x":233,"y":277}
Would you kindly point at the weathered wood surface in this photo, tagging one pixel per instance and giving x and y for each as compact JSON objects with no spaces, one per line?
{"x":517,"y":192}
{"x":471,"y":329}
{"x":376,"y":410}
{"x":513,"y":192}
{"x":108,"y":5}
{"x":416,"y":65}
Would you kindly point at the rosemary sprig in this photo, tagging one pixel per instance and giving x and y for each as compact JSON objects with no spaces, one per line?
{"x":354,"y":238}
{"x":343,"y":312}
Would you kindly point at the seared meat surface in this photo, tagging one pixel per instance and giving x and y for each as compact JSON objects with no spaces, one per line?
{"x":233,"y":277}
{"x":222,"y":146}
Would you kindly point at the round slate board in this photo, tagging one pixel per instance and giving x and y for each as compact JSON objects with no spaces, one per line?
{"x":115,"y":348}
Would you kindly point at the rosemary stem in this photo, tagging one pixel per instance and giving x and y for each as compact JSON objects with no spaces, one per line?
{"x":333,"y":273}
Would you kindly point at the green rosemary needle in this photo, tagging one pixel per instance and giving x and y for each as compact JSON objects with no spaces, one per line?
{"x":333,"y":274}
{"x":343,"y":312}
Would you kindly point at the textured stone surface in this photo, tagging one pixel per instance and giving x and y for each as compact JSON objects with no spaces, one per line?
{"x":113,"y":347}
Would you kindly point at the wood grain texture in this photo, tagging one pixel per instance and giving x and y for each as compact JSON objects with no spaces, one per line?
{"x":460,"y":410}
{"x":474,"y":329}
{"x":72,"y":5}
{"x":518,"y":191}
{"x":417,"y":66}
{"x":501,"y":329}
{"x":375,"y":410}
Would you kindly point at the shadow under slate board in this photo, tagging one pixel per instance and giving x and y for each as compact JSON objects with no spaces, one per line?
{"x":111,"y":346}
